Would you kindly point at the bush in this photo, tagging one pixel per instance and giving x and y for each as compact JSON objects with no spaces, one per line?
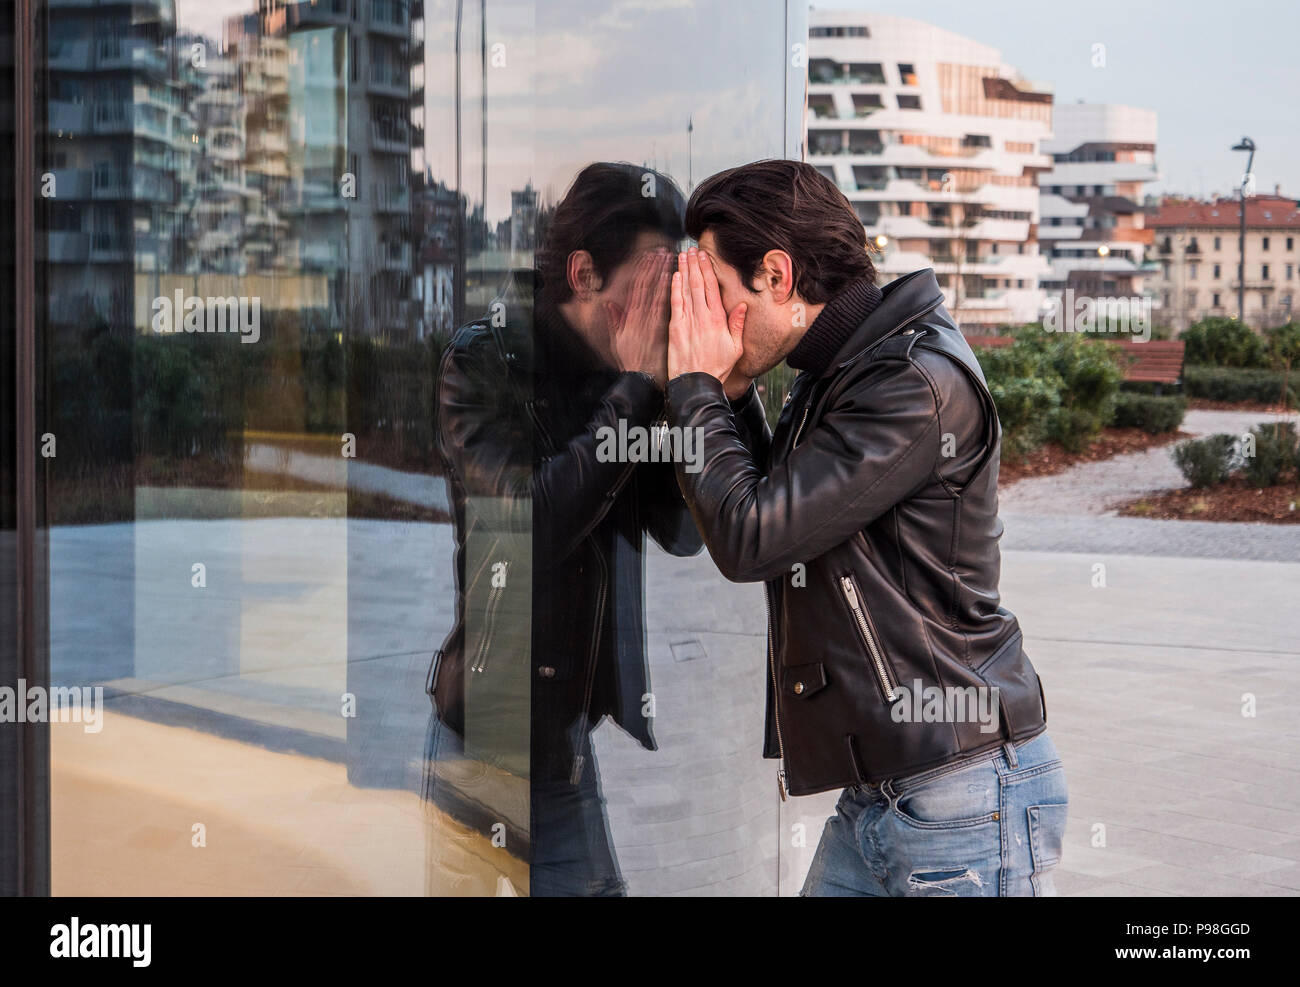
{"x":1223,"y":342}
{"x":1205,"y":462}
{"x":1150,"y":413}
{"x":1090,"y":372}
{"x":1276,"y":445}
{"x":1238,"y":385}
{"x":1025,"y":393}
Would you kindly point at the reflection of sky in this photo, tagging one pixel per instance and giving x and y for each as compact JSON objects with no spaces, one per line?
{"x":586,"y":80}
{"x":619,"y":78}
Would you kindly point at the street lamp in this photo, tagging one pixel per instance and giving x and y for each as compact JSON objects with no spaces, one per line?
{"x":1246,"y":144}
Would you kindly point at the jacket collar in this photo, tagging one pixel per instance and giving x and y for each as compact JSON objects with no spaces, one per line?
{"x":904,"y":300}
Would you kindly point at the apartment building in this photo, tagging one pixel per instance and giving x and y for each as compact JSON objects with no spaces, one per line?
{"x":937,"y":142}
{"x":1197,"y":247}
{"x":1093,"y":222}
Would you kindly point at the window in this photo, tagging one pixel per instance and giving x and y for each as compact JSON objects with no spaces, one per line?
{"x":1218,"y":268}
{"x":1218,"y":243}
{"x":1192,"y":270}
{"x":1264,"y":270}
{"x":1216,"y":299}
{"x":1290,"y":243}
{"x":1265,"y":243}
{"x":1191,"y":299}
{"x":838,"y":32}
{"x":907,"y":73}
{"x":909,"y":101}
{"x":1290,"y":269}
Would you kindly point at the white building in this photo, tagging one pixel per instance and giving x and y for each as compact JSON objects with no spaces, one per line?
{"x":937,"y":143}
{"x":1093,"y":227}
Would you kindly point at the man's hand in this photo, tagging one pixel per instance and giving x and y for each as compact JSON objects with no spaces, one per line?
{"x":701,"y":336}
{"x":639,"y":334}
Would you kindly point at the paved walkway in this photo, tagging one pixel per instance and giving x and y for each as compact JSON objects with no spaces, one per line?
{"x":1091,"y":489}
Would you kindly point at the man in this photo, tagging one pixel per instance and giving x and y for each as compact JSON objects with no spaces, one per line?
{"x":549,"y":635}
{"x":870,"y":514}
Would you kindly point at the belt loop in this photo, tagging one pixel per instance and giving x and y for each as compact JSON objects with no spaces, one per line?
{"x":1009,"y":751}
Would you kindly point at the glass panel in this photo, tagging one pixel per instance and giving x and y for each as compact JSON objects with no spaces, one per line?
{"x":292,"y":504}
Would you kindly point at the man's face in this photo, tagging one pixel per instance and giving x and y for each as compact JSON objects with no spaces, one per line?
{"x":768,"y":328}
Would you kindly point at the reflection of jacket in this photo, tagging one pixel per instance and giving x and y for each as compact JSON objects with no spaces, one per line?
{"x":562,"y":532}
{"x":881,"y":479}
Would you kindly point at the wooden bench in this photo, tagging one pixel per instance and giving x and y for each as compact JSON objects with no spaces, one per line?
{"x":1157,"y":361}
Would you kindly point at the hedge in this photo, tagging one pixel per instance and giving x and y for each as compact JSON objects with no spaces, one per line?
{"x":1236,"y":384}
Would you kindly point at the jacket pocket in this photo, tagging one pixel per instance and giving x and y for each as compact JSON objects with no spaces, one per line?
{"x":866,"y":630}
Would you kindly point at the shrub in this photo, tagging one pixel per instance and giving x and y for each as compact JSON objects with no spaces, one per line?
{"x":1238,"y":385}
{"x":1223,"y":342}
{"x":1274,"y":453}
{"x":1090,"y":372}
{"x":1205,"y":462}
{"x":1025,"y":393}
{"x":1150,"y":413}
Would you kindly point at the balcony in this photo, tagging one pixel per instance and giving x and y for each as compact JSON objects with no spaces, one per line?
{"x":389,"y":17}
{"x":391,"y":136}
{"x":390,"y":79}
{"x":391,"y":198}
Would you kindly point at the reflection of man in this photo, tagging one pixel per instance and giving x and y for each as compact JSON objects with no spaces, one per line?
{"x":871,"y":515}
{"x":549,"y":632}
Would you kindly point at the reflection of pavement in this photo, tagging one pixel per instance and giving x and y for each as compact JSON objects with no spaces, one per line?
{"x":1145,"y":682}
{"x":414,"y":488}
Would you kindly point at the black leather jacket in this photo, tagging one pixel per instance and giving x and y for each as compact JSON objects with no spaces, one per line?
{"x":871,"y":516}
{"x":549,"y":632}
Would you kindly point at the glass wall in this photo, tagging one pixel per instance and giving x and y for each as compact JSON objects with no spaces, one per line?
{"x":310,"y":383}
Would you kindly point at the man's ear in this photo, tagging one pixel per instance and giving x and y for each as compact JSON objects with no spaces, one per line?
{"x":581,"y":274}
{"x":778,"y":275}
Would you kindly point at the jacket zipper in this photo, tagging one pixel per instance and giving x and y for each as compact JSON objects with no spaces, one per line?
{"x":490,"y":619}
{"x":864,"y":628}
{"x":580,"y":756}
{"x":802,"y":422}
{"x":776,"y":699}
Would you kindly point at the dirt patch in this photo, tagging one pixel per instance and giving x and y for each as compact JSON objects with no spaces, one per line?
{"x":1254,"y":407}
{"x":1050,"y":459}
{"x":1235,"y":500}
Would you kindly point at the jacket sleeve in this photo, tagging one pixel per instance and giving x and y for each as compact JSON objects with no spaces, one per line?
{"x":665,"y":515}
{"x":876,"y":445}
{"x":751,"y":424}
{"x":491,"y":443}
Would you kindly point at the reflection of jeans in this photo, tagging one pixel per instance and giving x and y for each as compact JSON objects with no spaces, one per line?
{"x":571,"y":851}
{"x":984,"y":829}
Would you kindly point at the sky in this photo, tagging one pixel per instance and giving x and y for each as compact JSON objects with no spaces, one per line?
{"x":1213,"y":72}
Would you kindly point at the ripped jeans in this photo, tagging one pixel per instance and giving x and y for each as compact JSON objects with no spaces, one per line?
{"x":988,"y":828}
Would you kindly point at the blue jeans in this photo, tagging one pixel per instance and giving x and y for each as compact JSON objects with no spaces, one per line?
{"x":988,"y":828}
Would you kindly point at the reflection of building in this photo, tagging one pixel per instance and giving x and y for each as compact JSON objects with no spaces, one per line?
{"x":1092,"y":226}
{"x":350,"y":138}
{"x":935,"y":141}
{"x":1197,"y":246}
{"x":122,"y":148}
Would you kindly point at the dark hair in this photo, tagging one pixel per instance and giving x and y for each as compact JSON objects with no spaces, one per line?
{"x":604,"y":209}
{"x":783,"y":205}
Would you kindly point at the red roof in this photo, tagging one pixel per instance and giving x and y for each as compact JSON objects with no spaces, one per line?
{"x":1262,"y":211}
